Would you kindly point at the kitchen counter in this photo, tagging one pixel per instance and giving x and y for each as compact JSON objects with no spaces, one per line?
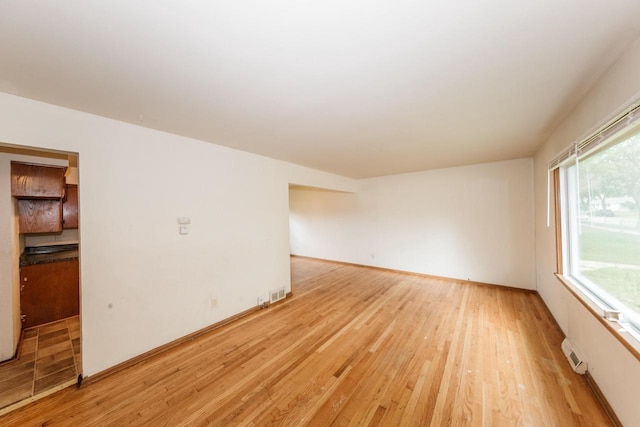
{"x":47,"y":254}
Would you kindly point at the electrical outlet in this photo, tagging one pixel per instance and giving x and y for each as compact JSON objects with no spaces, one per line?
{"x":214,"y":302}
{"x":260,"y":300}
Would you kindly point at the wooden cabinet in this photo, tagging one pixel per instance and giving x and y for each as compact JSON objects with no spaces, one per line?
{"x":70,"y":207}
{"x":40,"y":190}
{"x":49,"y":292}
{"x":34,"y":181}
{"x":40,"y":216}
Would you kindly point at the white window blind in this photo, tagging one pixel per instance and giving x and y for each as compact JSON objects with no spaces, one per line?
{"x":629,"y":117}
{"x":606,"y":133}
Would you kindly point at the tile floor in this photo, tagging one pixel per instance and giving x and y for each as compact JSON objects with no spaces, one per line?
{"x":49,"y":359}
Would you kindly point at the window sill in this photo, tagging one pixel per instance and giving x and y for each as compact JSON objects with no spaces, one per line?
{"x":627,"y":337}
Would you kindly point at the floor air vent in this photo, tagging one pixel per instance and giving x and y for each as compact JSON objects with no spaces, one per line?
{"x":277,"y":295}
{"x":574,"y":359}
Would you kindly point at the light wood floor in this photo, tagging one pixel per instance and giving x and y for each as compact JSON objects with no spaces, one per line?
{"x":49,"y":359}
{"x":353,"y":346}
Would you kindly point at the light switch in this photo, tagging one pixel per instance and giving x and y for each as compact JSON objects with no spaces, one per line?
{"x":184,"y":229}
{"x":184,"y":220}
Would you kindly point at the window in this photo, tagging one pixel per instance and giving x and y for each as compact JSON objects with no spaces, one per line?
{"x":600,"y":217}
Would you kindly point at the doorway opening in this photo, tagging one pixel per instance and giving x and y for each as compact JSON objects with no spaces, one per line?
{"x":40,"y":332}
{"x":313,"y":213}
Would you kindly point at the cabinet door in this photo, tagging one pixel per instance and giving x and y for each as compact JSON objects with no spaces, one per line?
{"x":49,"y":292}
{"x":70,"y":207}
{"x":33,"y":181}
{"x":40,"y":216}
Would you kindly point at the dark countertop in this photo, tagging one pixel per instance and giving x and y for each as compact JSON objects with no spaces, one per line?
{"x":46,"y":254}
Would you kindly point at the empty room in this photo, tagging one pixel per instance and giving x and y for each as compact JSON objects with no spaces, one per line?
{"x":306,"y":213}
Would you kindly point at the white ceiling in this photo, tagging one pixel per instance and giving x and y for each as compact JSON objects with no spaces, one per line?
{"x":356,"y":87}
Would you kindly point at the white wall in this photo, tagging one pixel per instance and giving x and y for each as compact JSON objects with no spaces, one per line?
{"x":616,"y":371}
{"x":142,"y":283}
{"x":473,"y":222}
{"x":7,"y":254}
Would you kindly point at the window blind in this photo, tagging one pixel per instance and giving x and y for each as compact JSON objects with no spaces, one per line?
{"x":629,"y":117}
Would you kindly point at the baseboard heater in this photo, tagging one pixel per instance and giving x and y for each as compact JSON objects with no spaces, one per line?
{"x":578,"y":365}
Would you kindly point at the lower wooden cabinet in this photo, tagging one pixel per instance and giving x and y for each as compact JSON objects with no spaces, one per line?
{"x":49,"y":292}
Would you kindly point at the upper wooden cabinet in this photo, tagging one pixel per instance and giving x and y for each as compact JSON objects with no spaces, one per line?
{"x":40,"y":190}
{"x":34,"y":181}
{"x":70,"y":207}
{"x":40,"y":216}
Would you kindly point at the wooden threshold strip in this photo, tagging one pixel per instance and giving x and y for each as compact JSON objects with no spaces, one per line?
{"x":28,"y":400}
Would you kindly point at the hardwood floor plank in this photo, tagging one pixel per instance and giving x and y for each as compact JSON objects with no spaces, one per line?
{"x":45,"y":364}
{"x":354,"y":346}
{"x":51,"y":380}
{"x":16,"y":393}
{"x":21,"y":371}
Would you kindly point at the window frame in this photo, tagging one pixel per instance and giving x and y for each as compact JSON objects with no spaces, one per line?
{"x":597,"y":301}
